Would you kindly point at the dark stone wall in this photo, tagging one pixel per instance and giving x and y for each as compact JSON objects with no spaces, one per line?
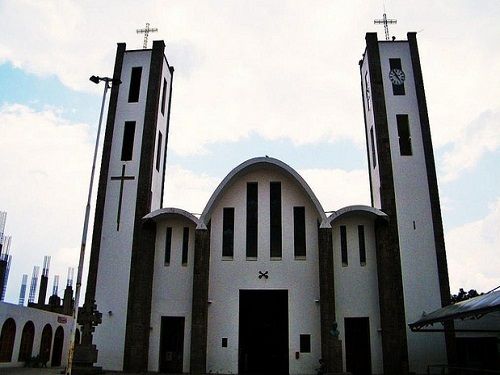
{"x":199,"y":318}
{"x":3,"y":269}
{"x":331,"y":348}
{"x":391,"y":298}
{"x":42,"y":293}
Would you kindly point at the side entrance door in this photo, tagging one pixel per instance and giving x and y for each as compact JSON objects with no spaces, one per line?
{"x":171,"y":344}
{"x":357,"y":346}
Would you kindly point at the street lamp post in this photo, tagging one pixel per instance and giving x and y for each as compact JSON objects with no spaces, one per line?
{"x":107,"y":85}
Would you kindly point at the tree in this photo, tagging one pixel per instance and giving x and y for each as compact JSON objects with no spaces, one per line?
{"x":463,"y":295}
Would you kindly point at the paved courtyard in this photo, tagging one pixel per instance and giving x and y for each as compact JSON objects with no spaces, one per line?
{"x":31,"y":371}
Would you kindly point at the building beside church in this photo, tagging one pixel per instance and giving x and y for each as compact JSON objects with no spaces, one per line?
{"x":264,"y":280}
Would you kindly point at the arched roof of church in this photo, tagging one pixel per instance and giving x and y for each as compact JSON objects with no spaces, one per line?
{"x":250,"y":165}
{"x":171,"y":212}
{"x":356,"y":209}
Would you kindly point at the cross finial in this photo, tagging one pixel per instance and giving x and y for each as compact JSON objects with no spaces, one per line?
{"x":385,"y":22}
{"x":146,"y":32}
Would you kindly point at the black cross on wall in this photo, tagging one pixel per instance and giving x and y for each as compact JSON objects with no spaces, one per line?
{"x":122,"y":178}
{"x":264,"y":275}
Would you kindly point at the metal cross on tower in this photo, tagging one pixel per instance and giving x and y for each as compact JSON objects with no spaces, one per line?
{"x":146,"y":32}
{"x":385,"y":22}
{"x":122,"y":179}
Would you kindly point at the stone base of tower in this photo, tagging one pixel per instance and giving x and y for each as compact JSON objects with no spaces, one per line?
{"x":83,"y":362}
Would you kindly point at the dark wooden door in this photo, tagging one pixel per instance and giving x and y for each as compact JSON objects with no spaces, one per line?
{"x":263,"y":332}
{"x":172,"y":344}
{"x":357,"y":346}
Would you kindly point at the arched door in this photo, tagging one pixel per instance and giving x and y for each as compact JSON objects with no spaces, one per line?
{"x":7,"y":337}
{"x":58,"y":347}
{"x":45,"y":344}
{"x":27,"y":337}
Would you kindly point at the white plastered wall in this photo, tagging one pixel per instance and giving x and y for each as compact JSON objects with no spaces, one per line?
{"x":40,"y":318}
{"x":356,"y":286}
{"x":369,"y":125}
{"x":418,"y":252}
{"x":228,"y":277}
{"x":172,"y":287}
{"x":116,"y":246}
{"x":161,"y":121}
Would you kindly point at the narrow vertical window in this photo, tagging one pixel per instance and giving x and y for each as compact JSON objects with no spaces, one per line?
{"x":228,"y":232}
{"x":299,"y":231}
{"x":135,"y":84}
{"x":168,"y":245}
{"x":396,"y":76}
{"x":374,"y":156}
{"x":185,"y":245}
{"x":343,"y":245}
{"x":158,"y":152}
{"x":367,"y":91}
{"x":252,"y":220}
{"x":305,"y":343}
{"x":404,"y":135}
{"x":275,"y":219}
{"x":362,"y":248}
{"x":163,"y":96}
{"x":128,"y":140}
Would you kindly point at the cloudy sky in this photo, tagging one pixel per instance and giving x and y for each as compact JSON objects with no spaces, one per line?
{"x":252,"y":78}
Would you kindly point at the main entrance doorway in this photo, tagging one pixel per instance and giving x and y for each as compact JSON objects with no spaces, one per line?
{"x":263,"y":332}
{"x":171,"y":344}
{"x":357,"y":346}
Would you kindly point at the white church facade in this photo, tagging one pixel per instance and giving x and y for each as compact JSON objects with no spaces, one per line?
{"x":264,"y":281}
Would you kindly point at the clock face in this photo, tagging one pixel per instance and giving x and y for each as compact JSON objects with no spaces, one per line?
{"x":397,"y":76}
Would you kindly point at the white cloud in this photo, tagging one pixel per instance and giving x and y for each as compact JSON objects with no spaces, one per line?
{"x":241,"y":69}
{"x":187,"y":190}
{"x":45,"y":163}
{"x":480,"y":137}
{"x":337,"y":188}
{"x":280,"y":70}
{"x":472,"y":252}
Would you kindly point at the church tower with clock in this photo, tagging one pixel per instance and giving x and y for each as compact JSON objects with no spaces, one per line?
{"x":413,"y":275}
{"x":171,"y":292}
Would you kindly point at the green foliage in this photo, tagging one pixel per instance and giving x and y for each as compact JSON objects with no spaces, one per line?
{"x":463,"y":295}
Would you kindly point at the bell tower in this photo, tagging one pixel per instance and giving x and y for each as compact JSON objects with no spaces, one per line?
{"x":130,"y":186}
{"x":413,"y":274}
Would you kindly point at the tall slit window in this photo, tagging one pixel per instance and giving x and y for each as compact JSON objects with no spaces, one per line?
{"x":395,"y":69}
{"x":163,"y":96}
{"x":252,"y":219}
{"x":299,"y":232}
{"x":135,"y":85}
{"x":404,"y":135}
{"x":128,"y":140}
{"x":367,"y":91}
{"x":343,"y":245}
{"x":158,"y":152}
{"x":275,"y":219}
{"x":228,"y":232}
{"x":185,"y":245}
{"x":374,"y":156}
{"x":168,"y":245}
{"x":362,"y":248}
